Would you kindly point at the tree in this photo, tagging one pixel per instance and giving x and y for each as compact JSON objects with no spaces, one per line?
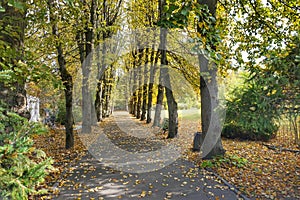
{"x":107,"y":17}
{"x":13,"y":22}
{"x":66,"y":78}
{"x":183,"y":16}
{"x":264,"y":36}
{"x":211,"y":124}
{"x":145,"y":91}
{"x":153,"y":67}
{"x":172,"y":105}
{"x":87,"y":39}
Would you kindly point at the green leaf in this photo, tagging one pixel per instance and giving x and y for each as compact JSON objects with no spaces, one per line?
{"x":70,"y":2}
{"x":173,"y":7}
{"x":2,"y":9}
{"x":16,"y":4}
{"x":184,"y":11}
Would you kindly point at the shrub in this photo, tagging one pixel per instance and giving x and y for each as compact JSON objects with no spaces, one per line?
{"x":22,"y":167}
{"x":61,"y":112}
{"x":252,"y":113}
{"x":226,"y":161}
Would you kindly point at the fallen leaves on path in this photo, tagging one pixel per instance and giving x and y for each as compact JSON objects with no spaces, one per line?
{"x":268,"y":175}
{"x":53,"y":144}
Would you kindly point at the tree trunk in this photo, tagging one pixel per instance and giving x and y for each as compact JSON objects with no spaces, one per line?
{"x":159,"y":101}
{"x":145,"y":92}
{"x":108,"y":109}
{"x":68,"y":83}
{"x":135,"y":92}
{"x":153,"y":68}
{"x":100,"y":78}
{"x":98,"y":101}
{"x":87,"y":112}
{"x":172,"y":105}
{"x":139,"y":88}
{"x":12,"y":39}
{"x":130,"y":91}
{"x":66,"y":79}
{"x":104,"y":91}
{"x":211,"y":125}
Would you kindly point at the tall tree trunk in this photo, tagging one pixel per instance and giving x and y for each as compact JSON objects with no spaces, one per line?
{"x":134,"y":88}
{"x":130,"y":91}
{"x":66,"y":79}
{"x":153,"y":67}
{"x":100,"y":78}
{"x":172,"y":105}
{"x":88,"y":119}
{"x":12,"y":39}
{"x":161,"y":87}
{"x":139,"y":88}
{"x":109,"y":92}
{"x":98,"y":101}
{"x":211,"y":126}
{"x":104,"y":93}
{"x":145,"y":91}
{"x":127,"y":96}
{"x":159,"y":101}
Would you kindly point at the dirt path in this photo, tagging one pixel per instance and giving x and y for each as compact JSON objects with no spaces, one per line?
{"x":126,"y":161}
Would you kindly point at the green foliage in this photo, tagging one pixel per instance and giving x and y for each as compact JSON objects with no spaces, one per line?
{"x":195,"y":16}
{"x":61,"y":114}
{"x":253,"y":29}
{"x":251,"y":112}
{"x":225,"y":161}
{"x":22,"y":167}
{"x":12,"y":3}
{"x":270,"y":90}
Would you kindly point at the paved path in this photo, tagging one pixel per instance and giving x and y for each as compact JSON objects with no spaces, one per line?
{"x":124,"y":165}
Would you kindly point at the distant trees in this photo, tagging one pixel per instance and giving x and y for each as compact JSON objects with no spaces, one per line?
{"x":258,"y":36}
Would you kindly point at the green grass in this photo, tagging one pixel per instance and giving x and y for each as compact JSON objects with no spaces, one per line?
{"x":192,"y":114}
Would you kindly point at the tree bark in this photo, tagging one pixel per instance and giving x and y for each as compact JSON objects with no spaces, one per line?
{"x":211,"y":126}
{"x":130,"y":91}
{"x":12,"y":40}
{"x":67,"y":80}
{"x":153,"y":68}
{"x":159,"y":101}
{"x":98,"y":100}
{"x":172,"y":105}
{"x":87,"y":112}
{"x":108,"y":108}
{"x":134,"y":87}
{"x":139,"y":87}
{"x":104,"y":92}
{"x":145,"y":91}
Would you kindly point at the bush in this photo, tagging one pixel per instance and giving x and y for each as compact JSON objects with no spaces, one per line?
{"x":251,"y":113}
{"x":225,"y":161}
{"x":61,"y":114}
{"x":22,"y":167}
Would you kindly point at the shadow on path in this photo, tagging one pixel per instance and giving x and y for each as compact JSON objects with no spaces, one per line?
{"x":94,"y":178}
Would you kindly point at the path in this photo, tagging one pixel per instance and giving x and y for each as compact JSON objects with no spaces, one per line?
{"x":130,"y":166}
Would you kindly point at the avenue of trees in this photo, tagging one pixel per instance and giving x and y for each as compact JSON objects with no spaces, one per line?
{"x":45,"y":43}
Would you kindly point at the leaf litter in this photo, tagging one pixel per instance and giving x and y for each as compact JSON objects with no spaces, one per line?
{"x":267,"y":175}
